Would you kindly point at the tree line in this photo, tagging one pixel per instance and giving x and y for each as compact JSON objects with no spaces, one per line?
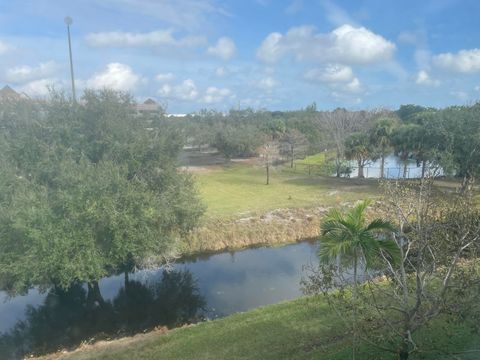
{"x":448,"y":138}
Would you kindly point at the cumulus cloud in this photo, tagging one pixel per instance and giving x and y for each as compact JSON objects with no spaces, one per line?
{"x":215,"y":95}
{"x":116,"y":76}
{"x":24,"y":73}
{"x":336,"y":76}
{"x":187,"y":91}
{"x":165,"y":77}
{"x":423,"y":78}
{"x":224,"y":48}
{"x":331,"y":74}
{"x":267,"y":83}
{"x":156,"y":38}
{"x":40,"y":87}
{"x":346,"y":45}
{"x":464,"y":61}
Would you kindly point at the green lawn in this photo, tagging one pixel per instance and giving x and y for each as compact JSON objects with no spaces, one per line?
{"x":237,"y":189}
{"x":317,"y":159}
{"x":300,"y":329}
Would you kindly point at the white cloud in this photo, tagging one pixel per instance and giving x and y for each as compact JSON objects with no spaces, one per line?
{"x":24,"y":73}
{"x":267,"y":83}
{"x":335,"y":14}
{"x":423,"y":78}
{"x":224,"y":48}
{"x":116,"y":76}
{"x":336,"y":76}
{"x":477,"y":88}
{"x":346,"y":45}
{"x":215,"y":95}
{"x":40,"y":87}
{"x":465,"y":61}
{"x":165,"y":77}
{"x":150,"y":39}
{"x":331,"y":74}
{"x":187,"y":91}
{"x":353,"y":86}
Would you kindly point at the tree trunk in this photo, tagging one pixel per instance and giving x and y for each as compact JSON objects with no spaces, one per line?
{"x":268,"y":173}
{"x":292,"y":156}
{"x":360,"y":169}
{"x":354,"y":340}
{"x":127,"y":280}
{"x":424,"y":165}
{"x":382,"y":166}
{"x":337,"y":164}
{"x":405,"y":164}
{"x":94,"y":295}
{"x":403,"y":353}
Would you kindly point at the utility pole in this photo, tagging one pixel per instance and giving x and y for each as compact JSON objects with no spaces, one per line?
{"x":68,"y":22}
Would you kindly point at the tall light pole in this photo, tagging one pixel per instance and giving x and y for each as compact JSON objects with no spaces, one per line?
{"x":68,"y":21}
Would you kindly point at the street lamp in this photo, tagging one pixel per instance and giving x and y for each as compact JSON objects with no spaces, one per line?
{"x":68,"y":21}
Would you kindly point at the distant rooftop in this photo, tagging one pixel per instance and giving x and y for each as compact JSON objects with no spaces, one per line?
{"x":7,"y":93}
{"x":150,"y":102}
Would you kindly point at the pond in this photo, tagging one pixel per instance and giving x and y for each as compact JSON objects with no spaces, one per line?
{"x":394,"y":167}
{"x":200,"y":288}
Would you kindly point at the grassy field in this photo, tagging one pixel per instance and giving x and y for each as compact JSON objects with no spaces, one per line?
{"x":317,"y":159}
{"x":300,"y":329}
{"x":237,"y":189}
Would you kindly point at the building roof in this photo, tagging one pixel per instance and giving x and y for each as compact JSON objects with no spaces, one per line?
{"x":150,"y":102}
{"x":7,"y":93}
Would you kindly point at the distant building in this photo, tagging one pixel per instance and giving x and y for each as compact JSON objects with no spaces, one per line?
{"x":149,"y":106}
{"x":8,"y":94}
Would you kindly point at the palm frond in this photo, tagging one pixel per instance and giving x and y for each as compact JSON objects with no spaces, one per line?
{"x":380,"y":224}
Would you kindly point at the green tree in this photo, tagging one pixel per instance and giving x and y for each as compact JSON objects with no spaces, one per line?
{"x":461,"y":129}
{"x":403,"y":141}
{"x":88,"y":190}
{"x":358,"y":147}
{"x":380,"y":137}
{"x":355,"y":242}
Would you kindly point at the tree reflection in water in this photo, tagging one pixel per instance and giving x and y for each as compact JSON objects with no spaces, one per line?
{"x":66,"y":318}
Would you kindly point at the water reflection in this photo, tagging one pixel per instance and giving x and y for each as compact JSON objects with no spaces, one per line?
{"x":66,"y":318}
{"x":204,"y":287}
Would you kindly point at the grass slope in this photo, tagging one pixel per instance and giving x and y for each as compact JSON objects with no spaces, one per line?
{"x":302,"y":329}
{"x":238,"y":189}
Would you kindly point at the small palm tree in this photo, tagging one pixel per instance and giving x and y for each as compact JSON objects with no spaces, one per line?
{"x":349,"y":237}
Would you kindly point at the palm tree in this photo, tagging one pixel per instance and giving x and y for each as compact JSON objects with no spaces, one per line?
{"x":380,"y":137}
{"x":349,"y":237}
{"x":403,"y":141}
{"x":358,"y":147}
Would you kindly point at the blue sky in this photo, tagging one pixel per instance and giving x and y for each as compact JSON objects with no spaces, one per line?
{"x":274,"y":54}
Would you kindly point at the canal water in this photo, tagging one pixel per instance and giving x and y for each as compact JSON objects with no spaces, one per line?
{"x":201,"y":288}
